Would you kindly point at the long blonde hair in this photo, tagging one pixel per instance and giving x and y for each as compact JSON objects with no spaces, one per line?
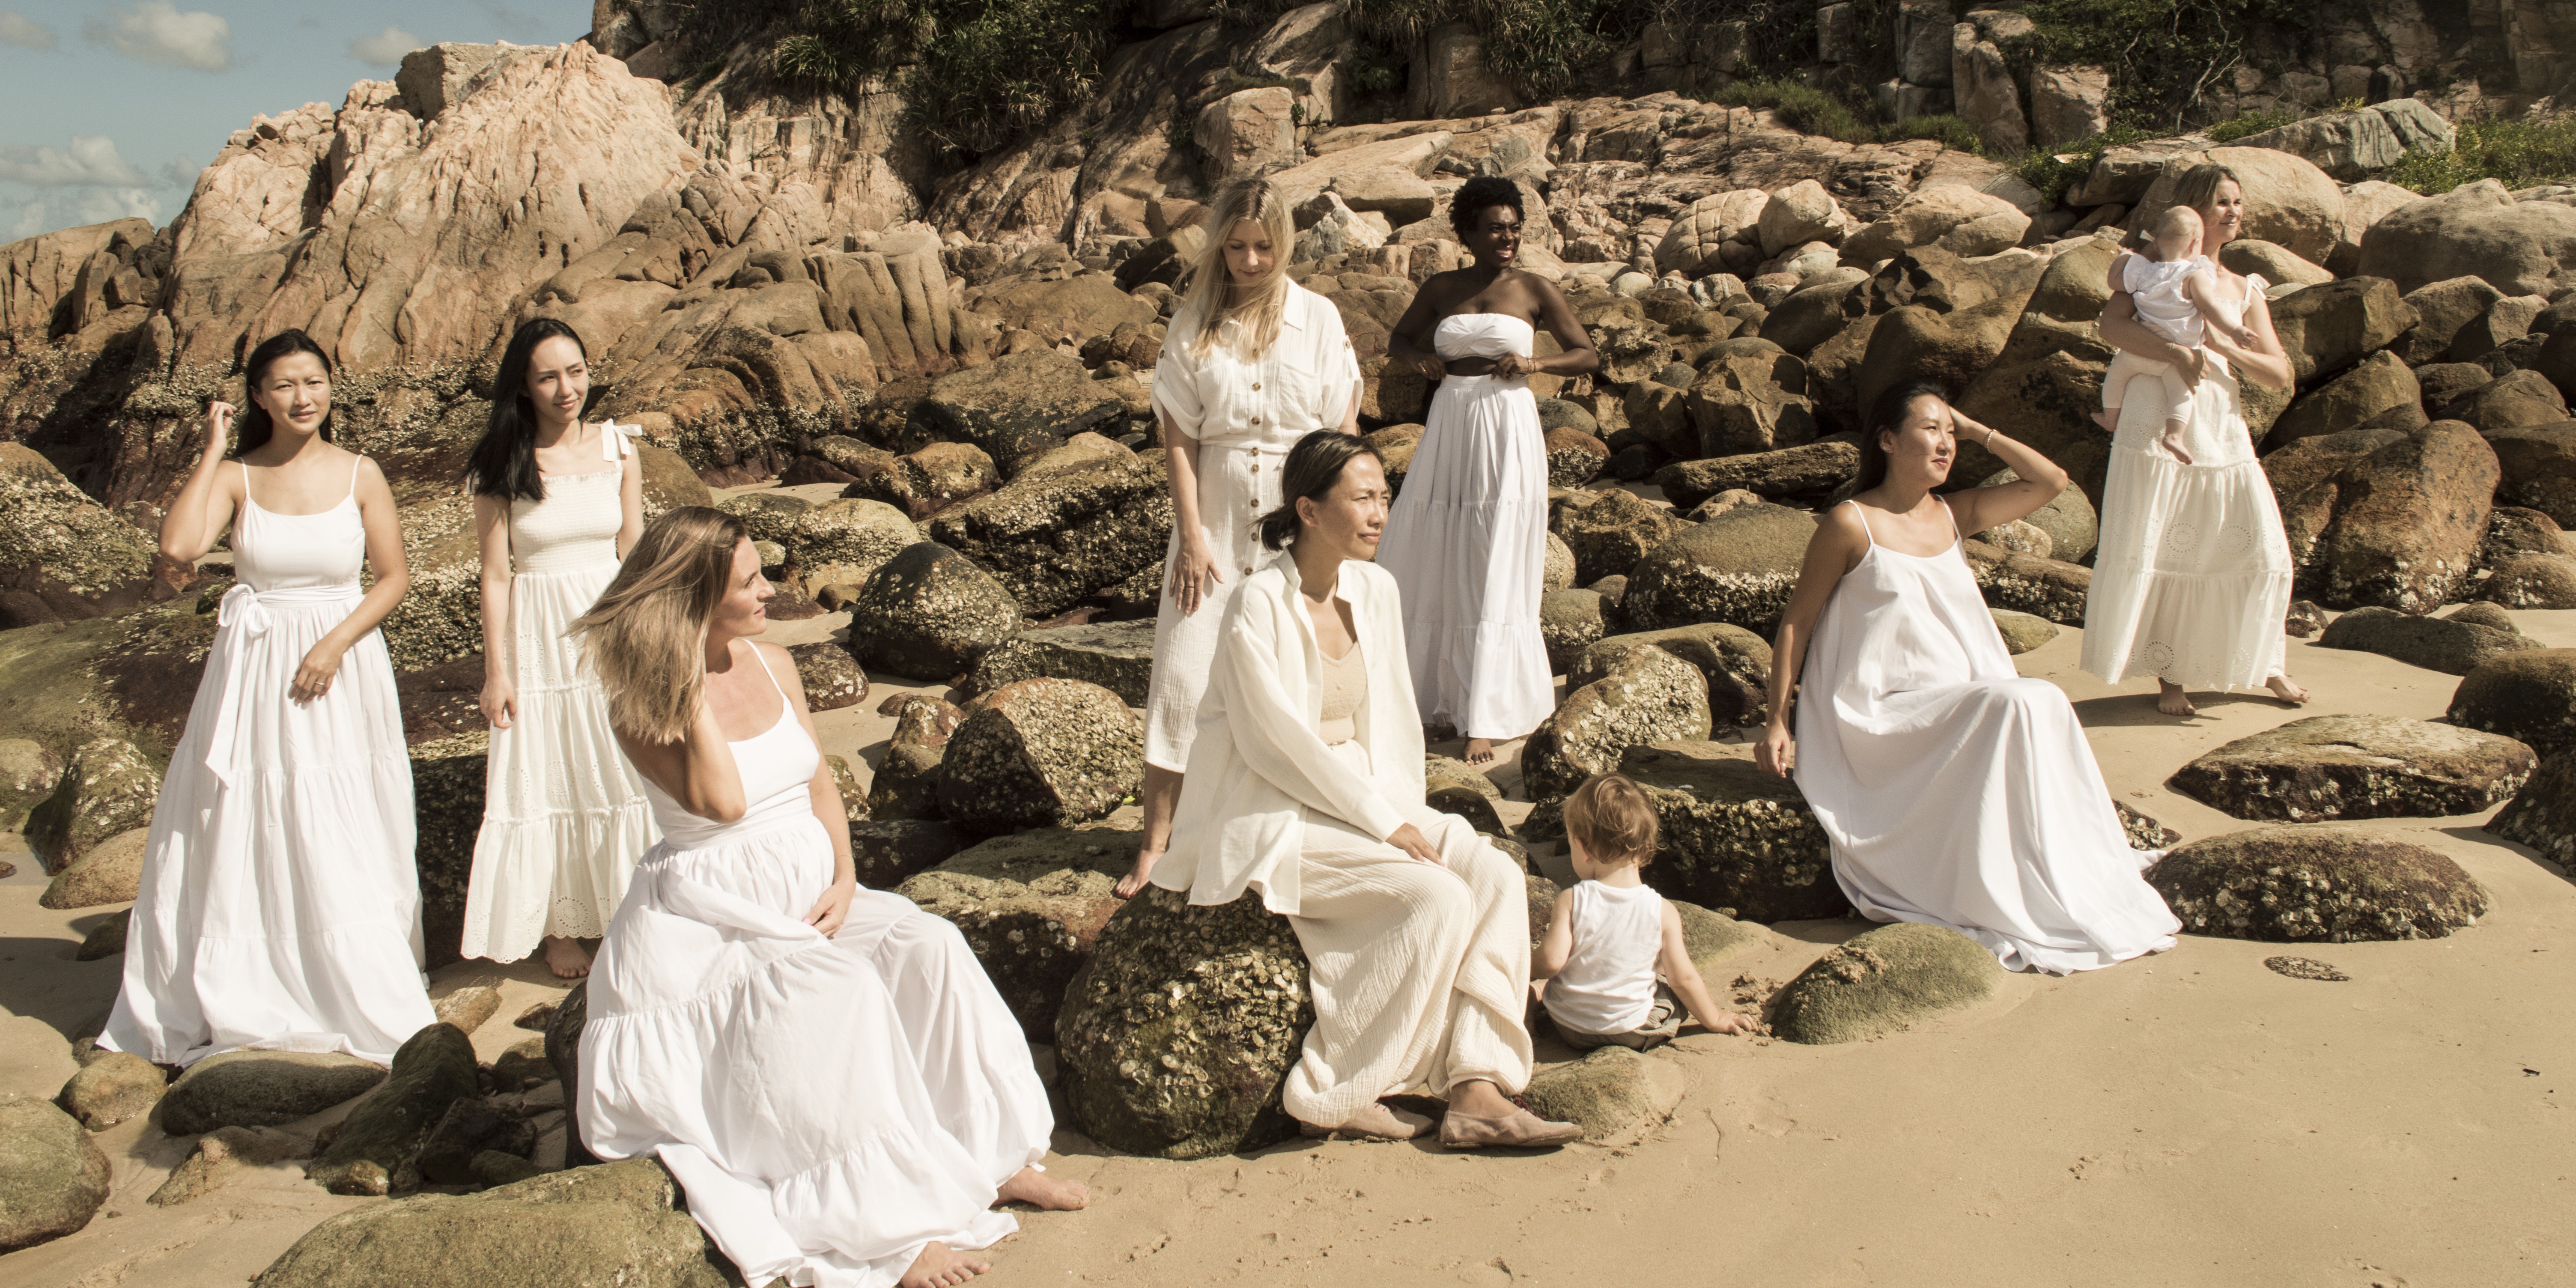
{"x":646,"y":638}
{"x":1259,"y":303}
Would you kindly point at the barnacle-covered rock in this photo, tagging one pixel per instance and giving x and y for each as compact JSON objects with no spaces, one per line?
{"x":1732,"y":837}
{"x":1031,"y":906}
{"x":1652,"y":697}
{"x":2357,"y":766}
{"x":1041,"y":753}
{"x":1117,"y":656}
{"x":1738,"y":568}
{"x":2312,"y":883}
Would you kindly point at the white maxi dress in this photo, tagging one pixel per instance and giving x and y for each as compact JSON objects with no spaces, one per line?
{"x":1953,"y":790}
{"x":279,"y":907}
{"x":564,"y":814}
{"x":1467,"y":542}
{"x":830,"y":1104}
{"x":1244,"y":415}
{"x":2193,"y":575}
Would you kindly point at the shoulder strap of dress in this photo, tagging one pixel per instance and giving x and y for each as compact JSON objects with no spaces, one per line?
{"x":1864,"y":520}
{"x":763,"y":659}
{"x":353,"y":475}
{"x":246,"y":482}
{"x":1953,"y":512}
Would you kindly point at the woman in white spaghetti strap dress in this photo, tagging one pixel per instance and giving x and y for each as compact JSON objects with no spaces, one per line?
{"x":827,"y":1070}
{"x":1953,"y":790}
{"x":1467,"y":539}
{"x":278,"y":906}
{"x":564,"y":815}
{"x":1252,"y":363}
{"x":2193,"y":576}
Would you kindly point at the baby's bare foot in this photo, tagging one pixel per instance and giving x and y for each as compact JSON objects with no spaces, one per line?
{"x":939,"y":1266}
{"x":1039,"y":1190}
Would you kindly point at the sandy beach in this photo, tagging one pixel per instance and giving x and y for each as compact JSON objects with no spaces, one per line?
{"x":2192,"y":1118}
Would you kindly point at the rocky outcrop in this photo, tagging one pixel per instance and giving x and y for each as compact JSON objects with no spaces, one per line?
{"x":1117,"y":656}
{"x":2305,"y":884}
{"x":1651,"y":696}
{"x":53,"y":1178}
{"x":1609,"y":531}
{"x":62,"y":554}
{"x":1176,"y":1037}
{"x":1733,"y":838}
{"x":1031,"y":906}
{"x":1737,"y":568}
{"x":2475,"y":230}
{"x":263,"y":1089}
{"x":1884,"y":981}
{"x":2383,"y":517}
{"x":1055,"y":536}
{"x":2449,"y":644}
{"x":929,"y":612}
{"x":2357,"y":766}
{"x":1735,"y":662}
{"x":1041,"y":753}
{"x":843,"y":543}
{"x":2527,"y":696}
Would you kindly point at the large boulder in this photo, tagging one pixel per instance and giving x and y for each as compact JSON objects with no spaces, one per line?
{"x":1737,"y":568}
{"x":1797,"y":214}
{"x":2434,"y":643}
{"x":1610,"y":531}
{"x":842,"y":543}
{"x":2072,"y":526}
{"x":2328,"y":327}
{"x":1177,"y":1036}
{"x":2357,"y":766}
{"x":1750,"y":402}
{"x":2528,"y":696}
{"x":1882,"y":981}
{"x":1811,"y":471}
{"x":29,"y":772}
{"x":1731,"y":837}
{"x":263,"y":1089}
{"x":2543,"y":814}
{"x":109,"y":787}
{"x":625,"y":1224}
{"x":109,"y":873}
{"x":2355,"y":145}
{"x":1055,"y":535}
{"x":2025,"y":583}
{"x":2376,"y":385}
{"x":1117,"y":656}
{"x":1016,"y":408}
{"x":1653,"y":696}
{"x":2315,"y":883}
{"x":2537,"y":464}
{"x":930,"y":480}
{"x":1569,"y":621}
{"x":2515,"y":401}
{"x":2532,"y":581}
{"x":1041,"y":753}
{"x":930,"y":612}
{"x":2477,"y":229}
{"x":53,"y":1178}
{"x":1735,"y":662}
{"x":1031,"y":906}
{"x":1954,"y":217}
{"x":2288,"y":200}
{"x":2441,"y":309}
{"x":885,"y":851}
{"x":2383,"y":517}
{"x":62,"y":554}
{"x":433,"y":1069}
{"x":1690,"y":246}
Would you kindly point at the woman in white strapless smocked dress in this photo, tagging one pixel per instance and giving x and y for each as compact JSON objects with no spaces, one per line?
{"x":1467,"y":539}
{"x":278,"y":906}
{"x":1953,"y":790}
{"x":827,"y":1070}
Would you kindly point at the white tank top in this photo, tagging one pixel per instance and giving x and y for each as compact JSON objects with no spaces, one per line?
{"x":1608,"y":984}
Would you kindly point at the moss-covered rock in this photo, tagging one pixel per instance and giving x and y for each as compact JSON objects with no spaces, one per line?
{"x":1732,"y":837}
{"x":221,"y":1156}
{"x":263,"y":1089}
{"x":928,"y":613}
{"x":2434,"y":643}
{"x":433,"y":1069}
{"x":1883,"y":980}
{"x":1176,"y":1038}
{"x":112,"y":1087}
{"x":2312,"y":883}
{"x":1652,"y":697}
{"x":1031,"y":906}
{"x":2529,"y":696}
{"x":29,"y":772}
{"x":1117,"y":656}
{"x":621,"y":1224}
{"x":1041,"y":753}
{"x":1615,"y":1093}
{"x":1738,"y":568}
{"x":2022,"y":632}
{"x":1711,"y":937}
{"x":62,"y":554}
{"x":109,"y":787}
{"x":52,"y":1176}
{"x":447,"y":777}
{"x":2357,"y":766}
{"x":110,"y":872}
{"x":106,"y":939}
{"x":1735,"y":662}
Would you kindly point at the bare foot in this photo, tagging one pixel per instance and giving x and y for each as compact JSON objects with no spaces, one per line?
{"x":1039,"y":1190}
{"x":1134,"y":882}
{"x":2107,"y":418}
{"x":1480,"y":751}
{"x":565,"y":957}
{"x":2287,"y":690}
{"x":2173,"y":701}
{"x":939,"y":1266}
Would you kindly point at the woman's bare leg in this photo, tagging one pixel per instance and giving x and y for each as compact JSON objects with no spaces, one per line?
{"x":2171,"y":700}
{"x":1161,"y":795}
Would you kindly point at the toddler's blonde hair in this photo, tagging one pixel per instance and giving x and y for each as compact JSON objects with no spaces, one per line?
{"x":1611,"y":818}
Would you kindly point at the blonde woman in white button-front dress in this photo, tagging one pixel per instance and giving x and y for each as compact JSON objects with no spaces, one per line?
{"x":557,"y":504}
{"x":1252,"y":363}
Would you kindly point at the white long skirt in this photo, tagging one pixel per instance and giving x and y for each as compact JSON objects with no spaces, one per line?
{"x":1420,"y":971}
{"x":281,"y":911}
{"x":564,"y":814}
{"x":1467,"y":545}
{"x":830,"y":1105}
{"x":2193,"y":576}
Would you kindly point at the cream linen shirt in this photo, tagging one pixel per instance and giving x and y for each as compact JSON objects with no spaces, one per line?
{"x":1304,"y":383}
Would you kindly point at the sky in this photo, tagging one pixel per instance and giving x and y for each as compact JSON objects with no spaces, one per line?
{"x":109,"y":108}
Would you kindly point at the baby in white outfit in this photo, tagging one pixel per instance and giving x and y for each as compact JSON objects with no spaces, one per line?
{"x":1596,"y":967}
{"x":2175,"y":291}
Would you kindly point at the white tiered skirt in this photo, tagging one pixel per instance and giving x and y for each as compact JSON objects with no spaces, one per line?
{"x":830,"y":1105}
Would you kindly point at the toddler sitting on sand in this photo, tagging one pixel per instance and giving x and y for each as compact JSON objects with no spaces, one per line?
{"x":2175,"y":292}
{"x":1597,"y":964}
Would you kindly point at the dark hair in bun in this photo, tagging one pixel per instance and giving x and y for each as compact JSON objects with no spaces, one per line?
{"x":1315,"y":464}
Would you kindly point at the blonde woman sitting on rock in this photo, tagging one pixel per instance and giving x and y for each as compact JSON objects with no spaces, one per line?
{"x":1306,"y":784}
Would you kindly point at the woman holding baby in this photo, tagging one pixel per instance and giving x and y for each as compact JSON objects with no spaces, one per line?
{"x":2193,"y":576}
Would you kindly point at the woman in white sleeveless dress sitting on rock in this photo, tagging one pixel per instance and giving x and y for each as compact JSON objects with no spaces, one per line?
{"x":1306,"y":783}
{"x":1953,"y":791}
{"x":827,"y":1070}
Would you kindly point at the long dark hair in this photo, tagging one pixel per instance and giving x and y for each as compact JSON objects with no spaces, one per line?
{"x":256,"y":425}
{"x":504,"y":460}
{"x":1315,"y":464}
{"x":1884,"y":416}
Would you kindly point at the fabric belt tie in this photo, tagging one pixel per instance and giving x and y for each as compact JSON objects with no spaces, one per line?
{"x":244,"y":612}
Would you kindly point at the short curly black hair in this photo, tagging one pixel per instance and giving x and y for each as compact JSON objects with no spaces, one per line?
{"x":1480,"y":195}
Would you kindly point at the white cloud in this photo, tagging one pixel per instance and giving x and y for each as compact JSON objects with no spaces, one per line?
{"x":91,"y":162}
{"x":31,"y":221}
{"x":179,"y":172}
{"x":49,"y":211}
{"x":385,"y":48}
{"x":24,"y":32}
{"x":155,"y":32}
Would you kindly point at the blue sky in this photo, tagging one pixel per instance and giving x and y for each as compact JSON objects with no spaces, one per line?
{"x":109,"y":107}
